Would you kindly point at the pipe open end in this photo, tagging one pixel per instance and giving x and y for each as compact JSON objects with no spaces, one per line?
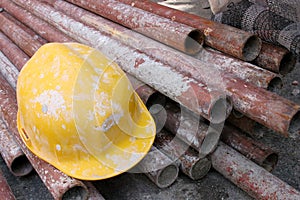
{"x":76,"y":192}
{"x":270,"y":162}
{"x":287,"y":63}
{"x":200,"y":168}
{"x":167,"y":176}
{"x":251,"y":48}
{"x":194,"y":41}
{"x":210,"y":142}
{"x":21,"y":166}
{"x":274,"y":84}
{"x":220,"y":110}
{"x":294,"y":128}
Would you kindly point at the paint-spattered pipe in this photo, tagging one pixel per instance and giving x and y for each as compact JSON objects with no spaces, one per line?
{"x":24,"y":27}
{"x":253,"y":179}
{"x":230,"y":40}
{"x":243,"y":70}
{"x":18,"y":35}
{"x":57,"y":183}
{"x":159,"y":168}
{"x":179,"y":36}
{"x":8,"y":70}
{"x":252,"y":149}
{"x":276,"y":59}
{"x":176,"y":85}
{"x":191,"y":164}
{"x":39,"y":26}
{"x":12,"y":52}
{"x":12,"y":154}
{"x":5,"y":191}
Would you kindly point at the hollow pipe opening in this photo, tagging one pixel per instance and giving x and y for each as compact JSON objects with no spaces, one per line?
{"x":76,"y":192}
{"x":220,"y":110}
{"x":252,"y":48}
{"x":275,"y":83}
{"x":21,"y":166}
{"x":210,"y":142}
{"x":156,"y":98}
{"x":167,"y":176}
{"x":270,"y":162}
{"x":200,"y":169}
{"x":194,"y":41}
{"x":287,"y":63}
{"x":294,"y":127}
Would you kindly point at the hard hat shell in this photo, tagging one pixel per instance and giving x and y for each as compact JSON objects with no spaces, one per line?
{"x":78,"y":111}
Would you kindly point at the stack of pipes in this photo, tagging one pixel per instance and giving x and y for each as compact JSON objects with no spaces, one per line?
{"x":189,"y":89}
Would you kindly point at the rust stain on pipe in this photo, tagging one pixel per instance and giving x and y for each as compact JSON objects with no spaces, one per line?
{"x":159,"y":168}
{"x":13,"y":52}
{"x":250,"y":148}
{"x":164,"y":78}
{"x":191,"y":164}
{"x":57,"y":183}
{"x":179,"y":36}
{"x":246,"y":71}
{"x":12,"y":154}
{"x":276,"y":59}
{"x":253,"y":179}
{"x":243,"y":70}
{"x":39,"y":26}
{"x":18,"y":35}
{"x":5,"y":191}
{"x":230,"y":40}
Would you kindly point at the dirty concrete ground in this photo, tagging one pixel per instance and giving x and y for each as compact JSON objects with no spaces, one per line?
{"x":214,"y":186}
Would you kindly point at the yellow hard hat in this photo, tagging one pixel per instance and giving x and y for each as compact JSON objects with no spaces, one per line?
{"x":79,"y":112}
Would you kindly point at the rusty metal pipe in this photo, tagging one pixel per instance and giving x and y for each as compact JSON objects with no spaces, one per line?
{"x":243,"y":70}
{"x":159,"y":168}
{"x":176,"y":85}
{"x":57,"y":183}
{"x":252,"y":149}
{"x":253,"y":179}
{"x":276,"y":59}
{"x":18,"y":35}
{"x":5,"y":191}
{"x":176,"y":35}
{"x":232,"y":41}
{"x":39,"y":26}
{"x":12,"y":154}
{"x":190,"y":163}
{"x":12,"y":52}
{"x":25,"y":28}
